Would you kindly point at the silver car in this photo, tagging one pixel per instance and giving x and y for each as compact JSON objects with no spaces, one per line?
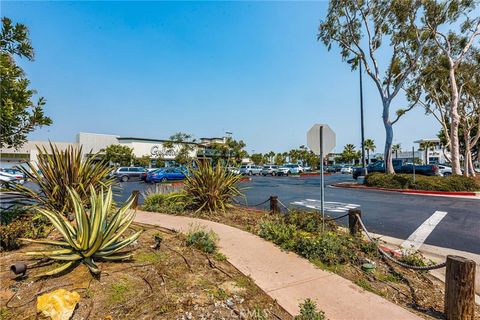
{"x":269,"y":169}
{"x":250,"y":169}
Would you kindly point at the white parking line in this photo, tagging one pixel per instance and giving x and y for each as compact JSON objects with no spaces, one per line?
{"x":329,"y":205}
{"x":418,"y":237}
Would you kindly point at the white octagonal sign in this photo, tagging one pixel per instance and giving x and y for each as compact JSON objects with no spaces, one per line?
{"x":313,"y":139}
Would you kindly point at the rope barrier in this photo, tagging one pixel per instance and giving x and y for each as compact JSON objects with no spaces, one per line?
{"x":337,"y":218}
{"x":389,"y":257}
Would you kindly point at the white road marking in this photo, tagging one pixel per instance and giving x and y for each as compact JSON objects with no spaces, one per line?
{"x":417,"y":238}
{"x":329,"y":206}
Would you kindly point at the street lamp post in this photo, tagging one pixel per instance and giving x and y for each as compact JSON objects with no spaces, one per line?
{"x":361,"y":113}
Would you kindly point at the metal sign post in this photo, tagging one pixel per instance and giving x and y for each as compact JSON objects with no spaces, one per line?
{"x":321,"y":140}
{"x":322,"y":190}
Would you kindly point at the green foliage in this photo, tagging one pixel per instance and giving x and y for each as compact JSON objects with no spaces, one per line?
{"x":26,"y":225}
{"x":257,"y":158}
{"x":57,"y":172}
{"x":182,"y":144}
{"x":209,"y":189}
{"x":166,"y":203}
{"x":330,"y":248}
{"x":8,"y":215}
{"x":119,"y":155}
{"x":414,"y":258}
{"x":19,"y":115}
{"x":280,"y":233}
{"x":349,"y":154}
{"x":309,"y":221}
{"x":93,"y":235}
{"x":202,"y":240}
{"x":143,"y":161}
{"x":308,"y":311}
{"x":119,"y":290}
{"x":430,"y":183}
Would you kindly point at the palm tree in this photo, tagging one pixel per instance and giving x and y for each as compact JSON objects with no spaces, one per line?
{"x":425,"y":146}
{"x":369,"y":145}
{"x":396,"y":148}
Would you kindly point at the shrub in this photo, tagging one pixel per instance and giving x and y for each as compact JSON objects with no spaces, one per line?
{"x":202,"y":240}
{"x":414,"y":258}
{"x":431,"y":183}
{"x":308,"y":311}
{"x":210,"y":189}
{"x":57,"y":172}
{"x":92,"y":236}
{"x":281,"y":234}
{"x":27,"y":225}
{"x":167,"y":203}
{"x":309,"y":221}
{"x":330,"y":248}
{"x":10,"y":214}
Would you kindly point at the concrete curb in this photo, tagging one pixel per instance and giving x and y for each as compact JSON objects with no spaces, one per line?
{"x":410,"y":191}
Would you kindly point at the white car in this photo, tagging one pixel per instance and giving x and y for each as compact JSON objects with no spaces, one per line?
{"x":8,"y":177}
{"x":348,"y":170}
{"x":290,"y":169}
{"x":444,"y":171}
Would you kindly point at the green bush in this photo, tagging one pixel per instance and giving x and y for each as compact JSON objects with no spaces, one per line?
{"x":280,"y":233}
{"x":330,"y":248}
{"x":24,"y":226}
{"x":202,"y":240}
{"x":309,"y":221}
{"x":10,"y":214}
{"x":308,"y":311}
{"x":430,"y":183}
{"x":166,"y":203}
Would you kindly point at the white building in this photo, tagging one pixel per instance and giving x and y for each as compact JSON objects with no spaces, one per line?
{"x":95,"y":143}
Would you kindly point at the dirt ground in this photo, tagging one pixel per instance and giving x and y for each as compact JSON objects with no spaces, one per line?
{"x":174,"y":282}
{"x":417,"y":291}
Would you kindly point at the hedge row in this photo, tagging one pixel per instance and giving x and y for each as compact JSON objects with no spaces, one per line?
{"x":430,"y":183}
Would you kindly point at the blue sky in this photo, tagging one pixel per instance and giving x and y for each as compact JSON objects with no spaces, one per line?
{"x":149,"y":69}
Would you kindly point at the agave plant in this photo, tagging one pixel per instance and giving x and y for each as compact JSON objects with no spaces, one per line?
{"x":59,"y":170}
{"x":93,"y":236}
{"x":210,"y":189}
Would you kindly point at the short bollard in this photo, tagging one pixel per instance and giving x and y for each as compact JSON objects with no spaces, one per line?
{"x":353,"y":223}
{"x":459,"y":288}
{"x":274,"y":208}
{"x":135,"y":195}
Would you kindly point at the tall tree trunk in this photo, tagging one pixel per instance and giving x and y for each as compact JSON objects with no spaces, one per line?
{"x":454,"y":122}
{"x":368,"y":155}
{"x":387,"y":155}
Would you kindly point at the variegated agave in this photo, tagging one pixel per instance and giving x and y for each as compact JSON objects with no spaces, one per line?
{"x":95,"y":234}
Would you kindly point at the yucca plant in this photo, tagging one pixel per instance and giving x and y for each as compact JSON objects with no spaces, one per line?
{"x":210,"y":189}
{"x":95,"y":235}
{"x":56,"y":171}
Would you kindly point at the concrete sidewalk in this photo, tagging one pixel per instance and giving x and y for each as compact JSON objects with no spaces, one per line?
{"x":286,"y":277}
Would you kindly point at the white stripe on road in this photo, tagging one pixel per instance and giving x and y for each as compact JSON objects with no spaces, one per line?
{"x":417,"y":238}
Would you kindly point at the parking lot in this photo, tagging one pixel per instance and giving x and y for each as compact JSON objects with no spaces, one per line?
{"x":392,"y":214}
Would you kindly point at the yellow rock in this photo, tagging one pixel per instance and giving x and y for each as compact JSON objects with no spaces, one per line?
{"x":58,"y":304}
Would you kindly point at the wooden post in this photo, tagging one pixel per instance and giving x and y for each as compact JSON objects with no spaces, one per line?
{"x":274,"y":208}
{"x":135,"y":195}
{"x":459,"y":288}
{"x":353,"y":223}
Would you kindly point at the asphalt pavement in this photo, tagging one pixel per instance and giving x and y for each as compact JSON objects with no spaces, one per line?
{"x":392,"y":214}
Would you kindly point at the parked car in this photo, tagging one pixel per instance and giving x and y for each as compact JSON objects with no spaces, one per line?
{"x":8,"y":177}
{"x":378,"y":166}
{"x":288,"y":169}
{"x":233,"y":170}
{"x":250,"y":169}
{"x":444,"y":170}
{"x":129,"y":173}
{"x":269,"y":169}
{"x":165,"y":174}
{"x":424,"y":170}
{"x":14,"y":172}
{"x":348,"y":170}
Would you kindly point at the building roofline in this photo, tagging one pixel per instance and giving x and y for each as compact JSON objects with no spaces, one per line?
{"x":153,"y":140}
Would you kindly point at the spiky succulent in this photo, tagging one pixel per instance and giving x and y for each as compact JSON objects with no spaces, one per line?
{"x":95,"y":233}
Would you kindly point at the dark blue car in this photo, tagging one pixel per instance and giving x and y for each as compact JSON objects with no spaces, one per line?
{"x":165,"y":174}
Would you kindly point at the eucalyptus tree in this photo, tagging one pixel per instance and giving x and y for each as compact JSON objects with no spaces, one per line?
{"x":455,"y":47}
{"x":19,"y":115}
{"x":182,"y":145}
{"x":360,"y":28}
{"x":369,"y":145}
